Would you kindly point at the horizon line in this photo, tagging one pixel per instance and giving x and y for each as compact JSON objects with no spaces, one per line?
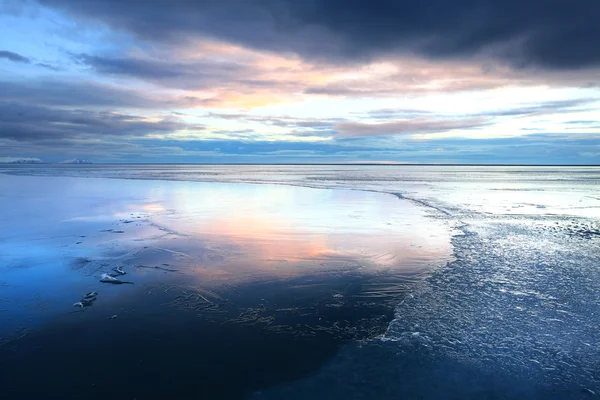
{"x":390,"y":164}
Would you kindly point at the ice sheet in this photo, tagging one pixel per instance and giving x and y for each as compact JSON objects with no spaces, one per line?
{"x":515,"y":315}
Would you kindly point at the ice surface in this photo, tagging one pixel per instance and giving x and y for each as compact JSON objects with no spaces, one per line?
{"x":485,"y":189}
{"x":516,"y":315}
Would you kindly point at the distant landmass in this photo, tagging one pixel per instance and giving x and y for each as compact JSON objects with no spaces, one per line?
{"x":77,"y":161}
{"x":25,"y":160}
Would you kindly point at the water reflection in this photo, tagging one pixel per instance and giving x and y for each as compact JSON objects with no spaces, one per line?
{"x":290,"y":230}
{"x":62,"y":233}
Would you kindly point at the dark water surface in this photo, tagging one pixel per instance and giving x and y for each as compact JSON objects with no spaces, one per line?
{"x":236,"y":287}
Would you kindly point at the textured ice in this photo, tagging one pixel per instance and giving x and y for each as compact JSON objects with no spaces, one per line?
{"x":513,"y":306}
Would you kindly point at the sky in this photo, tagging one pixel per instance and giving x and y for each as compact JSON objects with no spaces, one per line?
{"x":312,"y":81}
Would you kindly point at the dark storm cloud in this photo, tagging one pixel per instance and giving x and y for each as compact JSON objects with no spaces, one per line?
{"x":193,"y":75}
{"x":79,"y":93}
{"x":132,"y":66}
{"x":555,"y":34}
{"x":14,"y":57}
{"x":65,"y":93}
{"x":25,"y":122}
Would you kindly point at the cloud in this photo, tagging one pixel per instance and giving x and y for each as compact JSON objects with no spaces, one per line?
{"x":158,"y":70}
{"x":552,"y":35}
{"x":405,"y":76}
{"x":48,"y":66}
{"x":581,"y":122}
{"x":237,"y":75}
{"x":524,"y":109}
{"x":408,"y":127}
{"x":125,"y":72}
{"x":231,"y":76}
{"x":280,"y":121}
{"x":14,"y":57}
{"x":18,"y":58}
{"x":444,"y":78}
{"x":386,"y":113}
{"x":213,"y":75}
{"x":534,"y":149}
{"x":549,"y":107}
{"x":81,"y":93}
{"x":25,"y":122}
{"x":590,"y":154}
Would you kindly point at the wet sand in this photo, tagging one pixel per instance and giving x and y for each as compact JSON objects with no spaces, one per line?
{"x":236,"y":288}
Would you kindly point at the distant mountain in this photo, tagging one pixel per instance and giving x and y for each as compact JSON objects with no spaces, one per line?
{"x":77,"y":161}
{"x":22,"y":161}
{"x":29,"y":160}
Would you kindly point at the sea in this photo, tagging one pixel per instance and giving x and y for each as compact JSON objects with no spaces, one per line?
{"x":299,"y":281}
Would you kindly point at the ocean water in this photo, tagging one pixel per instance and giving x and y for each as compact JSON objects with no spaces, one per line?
{"x":502,"y":302}
{"x":59,"y":231}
